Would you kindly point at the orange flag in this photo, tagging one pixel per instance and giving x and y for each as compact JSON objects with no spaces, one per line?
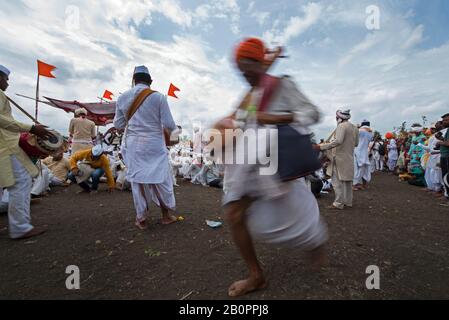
{"x":45,"y":69}
{"x":172,"y":90}
{"x":108,"y":95}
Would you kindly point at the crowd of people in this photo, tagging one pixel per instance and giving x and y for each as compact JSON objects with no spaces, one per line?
{"x":143,"y":154}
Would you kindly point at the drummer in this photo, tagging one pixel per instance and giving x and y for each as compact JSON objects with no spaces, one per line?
{"x":17,"y":169}
{"x":95,"y":158}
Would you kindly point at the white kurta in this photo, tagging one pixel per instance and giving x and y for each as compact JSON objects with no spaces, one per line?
{"x":144,"y":151}
{"x":433,"y":174}
{"x":392,"y":154}
{"x":361,"y":158}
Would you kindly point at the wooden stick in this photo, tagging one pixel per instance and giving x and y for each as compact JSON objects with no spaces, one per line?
{"x":24,"y":112}
{"x":37,"y":95}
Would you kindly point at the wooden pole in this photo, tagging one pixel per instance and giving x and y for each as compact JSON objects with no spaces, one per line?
{"x":37,"y":96}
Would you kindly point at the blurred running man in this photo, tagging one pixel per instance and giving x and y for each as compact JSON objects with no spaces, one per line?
{"x":253,"y":202}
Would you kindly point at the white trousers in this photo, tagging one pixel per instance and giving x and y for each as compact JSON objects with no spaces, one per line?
{"x":379,"y":164}
{"x":161,"y":194}
{"x":362,"y":173}
{"x":343,"y":191}
{"x":19,"y":201}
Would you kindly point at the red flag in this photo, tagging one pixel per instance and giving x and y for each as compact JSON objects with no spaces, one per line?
{"x":44,"y":69}
{"x":172,"y":90}
{"x":108,"y":95}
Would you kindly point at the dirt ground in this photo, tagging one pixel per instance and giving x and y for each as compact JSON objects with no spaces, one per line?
{"x":398,"y":227}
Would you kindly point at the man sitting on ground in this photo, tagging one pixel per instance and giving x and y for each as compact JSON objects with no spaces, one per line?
{"x":59,"y":169}
{"x":95,"y":159}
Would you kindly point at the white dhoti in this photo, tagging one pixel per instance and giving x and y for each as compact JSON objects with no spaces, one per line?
{"x":292,"y":220}
{"x":42,"y":182}
{"x":161,"y":194}
{"x":362,"y":173}
{"x":151,"y":181}
{"x":392,"y":164}
{"x":284,"y":214}
{"x":433,"y":174}
{"x":19,"y":201}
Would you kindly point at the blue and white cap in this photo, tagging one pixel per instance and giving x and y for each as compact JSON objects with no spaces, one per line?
{"x":5,"y":70}
{"x":141,"y":69}
{"x":97,"y":150}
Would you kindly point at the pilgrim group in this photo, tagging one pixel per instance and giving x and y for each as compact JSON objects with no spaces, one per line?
{"x":143,"y":154}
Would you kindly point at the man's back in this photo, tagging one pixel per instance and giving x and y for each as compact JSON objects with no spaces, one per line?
{"x":82,"y":129}
{"x":350,"y":140}
{"x":148,"y":120}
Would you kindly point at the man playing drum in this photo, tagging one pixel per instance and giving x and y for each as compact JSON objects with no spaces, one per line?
{"x":17,"y":169}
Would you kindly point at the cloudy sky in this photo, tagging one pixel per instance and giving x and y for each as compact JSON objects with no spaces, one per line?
{"x":398,"y":72}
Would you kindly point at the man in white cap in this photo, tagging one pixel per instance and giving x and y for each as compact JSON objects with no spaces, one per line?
{"x":17,"y":170}
{"x":98,"y":161}
{"x":82,"y":131}
{"x":362,"y":175}
{"x":341,"y":168}
{"x":146,"y":116}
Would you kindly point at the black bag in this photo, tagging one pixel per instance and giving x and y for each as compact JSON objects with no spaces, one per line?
{"x":296,"y":156}
{"x":382,"y":148}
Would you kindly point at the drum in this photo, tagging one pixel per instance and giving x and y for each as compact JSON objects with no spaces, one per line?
{"x":36,"y":147}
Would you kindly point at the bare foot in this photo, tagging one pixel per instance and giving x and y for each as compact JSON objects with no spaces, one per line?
{"x":142,"y":225}
{"x":318,"y":258}
{"x":169,"y":220}
{"x":242,"y":287}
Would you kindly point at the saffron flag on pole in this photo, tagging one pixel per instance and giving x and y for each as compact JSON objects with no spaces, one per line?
{"x":107,"y":95}
{"x":45,"y":69}
{"x":172,"y":90}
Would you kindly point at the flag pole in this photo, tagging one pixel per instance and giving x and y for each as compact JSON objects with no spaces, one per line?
{"x":37,"y":96}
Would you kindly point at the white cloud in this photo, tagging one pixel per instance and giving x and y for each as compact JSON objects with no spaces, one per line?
{"x":87,"y":66}
{"x":415,"y":37}
{"x":296,"y":25}
{"x":385,"y":76}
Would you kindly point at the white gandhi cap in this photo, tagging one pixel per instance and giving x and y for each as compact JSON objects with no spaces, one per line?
{"x":5,"y":70}
{"x":141,"y":69}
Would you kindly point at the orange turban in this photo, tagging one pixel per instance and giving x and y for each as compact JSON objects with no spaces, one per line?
{"x":389,"y":135}
{"x":251,"y":48}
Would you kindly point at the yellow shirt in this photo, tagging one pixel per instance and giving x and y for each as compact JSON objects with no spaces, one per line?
{"x":103,"y":163}
{"x":82,"y":130}
{"x":9,"y":144}
{"x":60,"y":168}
